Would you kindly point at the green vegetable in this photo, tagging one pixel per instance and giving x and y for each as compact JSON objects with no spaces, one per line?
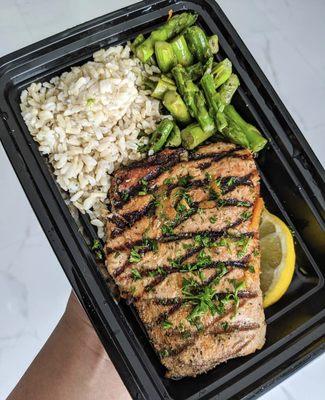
{"x":204,"y":118}
{"x":135,"y":274}
{"x":193,"y":135}
{"x":176,"y":106}
{"x":175,"y":138}
{"x":194,"y":99}
{"x":134,"y":255}
{"x":165,"y":56}
{"x":195,"y":71}
{"x":216,"y":106}
{"x":160,"y":136}
{"x":137,"y":41}
{"x":198,"y":43}
{"x":171,"y":28}
{"x":238,"y":127}
{"x":181,"y":51}
{"x":208,"y":66}
{"x":203,"y":298}
{"x":167,"y":324}
{"x":221,"y":72}
{"x":214,"y":44}
{"x":162,"y":87}
{"x":228,"y":89}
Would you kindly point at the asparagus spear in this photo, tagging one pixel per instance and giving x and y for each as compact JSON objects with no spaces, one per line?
{"x":163,"y":85}
{"x":176,"y":106}
{"x":181,"y":50}
{"x":198,"y":42}
{"x":208,"y":66}
{"x":195,"y":71}
{"x":228,"y":89}
{"x":212,"y":96}
{"x":234,"y":133}
{"x":186,"y":88}
{"x":161,"y":134}
{"x":203,"y":116}
{"x":174,"y":139}
{"x":222,"y":72}
{"x":165,"y":56}
{"x":256,"y":141}
{"x":214,"y":44}
{"x":171,"y":28}
{"x":137,"y":41}
{"x":193,"y":98}
{"x":193,"y":135}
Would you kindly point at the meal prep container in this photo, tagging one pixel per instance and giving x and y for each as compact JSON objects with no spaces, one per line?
{"x":293,"y":185}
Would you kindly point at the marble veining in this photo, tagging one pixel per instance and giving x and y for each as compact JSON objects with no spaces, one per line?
{"x":285,"y":37}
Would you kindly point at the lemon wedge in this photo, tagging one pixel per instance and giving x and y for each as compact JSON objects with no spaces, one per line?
{"x":277,"y":257}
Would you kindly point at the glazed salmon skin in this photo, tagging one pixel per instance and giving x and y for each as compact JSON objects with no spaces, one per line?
{"x":183,"y":246}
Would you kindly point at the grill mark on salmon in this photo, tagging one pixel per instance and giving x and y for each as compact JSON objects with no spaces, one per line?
{"x":210,"y":192}
{"x":183,"y":306}
{"x":181,"y":236}
{"x":121,"y":193}
{"x":124,"y":221}
{"x":182,"y":245}
{"x":209,"y":328}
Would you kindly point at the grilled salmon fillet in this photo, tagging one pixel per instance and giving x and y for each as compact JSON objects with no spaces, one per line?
{"x":183,"y":246}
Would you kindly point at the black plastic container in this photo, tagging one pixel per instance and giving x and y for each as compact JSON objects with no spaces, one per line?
{"x":293,"y":185}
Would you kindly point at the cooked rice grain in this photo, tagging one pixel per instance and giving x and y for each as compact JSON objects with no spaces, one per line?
{"x":87,"y":122}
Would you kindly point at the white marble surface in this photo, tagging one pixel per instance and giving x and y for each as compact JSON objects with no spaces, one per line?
{"x":287,"y":39}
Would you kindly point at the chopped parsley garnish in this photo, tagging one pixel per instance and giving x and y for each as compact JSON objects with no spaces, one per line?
{"x":161,"y":271}
{"x":202,"y":297}
{"x":181,"y":208}
{"x":168,"y":181}
{"x":175,"y":263}
{"x":117,"y":253}
{"x":136,"y":275}
{"x":208,"y":176}
{"x":246,"y":215}
{"x":153,"y":273}
{"x":202,"y":261}
{"x":251,"y":269}
{"x":213,"y":220}
{"x":224,"y":326}
{"x":231,"y":181}
{"x":134,"y":255}
{"x":243,"y":204}
{"x":202,"y":240}
{"x":124,"y":195}
{"x":202,"y":276}
{"x":218,"y":181}
{"x":97,"y":248}
{"x":221,"y":202}
{"x":213,"y":195}
{"x":150,"y":244}
{"x":184,"y":180}
{"x":167,"y":229}
{"x":186,"y":334}
{"x":144,"y":187}
{"x":237,"y":287}
{"x":164,"y":353}
{"x":167,"y":325}
{"x":90,"y":102}
{"x":243,"y":243}
{"x":96,"y":245}
{"x":224,"y":242}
